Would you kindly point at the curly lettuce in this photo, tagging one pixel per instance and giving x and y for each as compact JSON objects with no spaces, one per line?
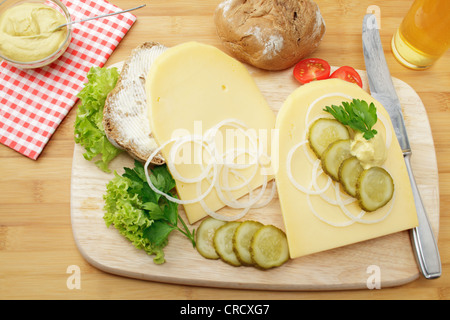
{"x":89,"y":131}
{"x":124,"y":209}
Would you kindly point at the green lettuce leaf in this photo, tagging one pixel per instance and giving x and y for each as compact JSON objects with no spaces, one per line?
{"x":89,"y":131}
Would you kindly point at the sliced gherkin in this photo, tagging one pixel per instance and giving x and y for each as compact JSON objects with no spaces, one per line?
{"x":349,"y":173}
{"x":269,"y":247}
{"x":374,"y":188}
{"x":223,"y":243}
{"x":242,"y":240}
{"x":325,"y":131}
{"x":333,"y":156}
{"x":205,"y":235}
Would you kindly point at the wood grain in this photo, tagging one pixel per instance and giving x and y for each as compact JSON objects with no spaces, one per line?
{"x":36,"y":240}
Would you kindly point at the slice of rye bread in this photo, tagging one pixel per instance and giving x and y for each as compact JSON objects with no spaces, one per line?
{"x":125,"y":117}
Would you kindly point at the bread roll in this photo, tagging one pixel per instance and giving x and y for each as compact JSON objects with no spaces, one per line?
{"x":269,"y":34}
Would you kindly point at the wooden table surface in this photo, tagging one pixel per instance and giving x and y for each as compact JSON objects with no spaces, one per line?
{"x":36,"y":241}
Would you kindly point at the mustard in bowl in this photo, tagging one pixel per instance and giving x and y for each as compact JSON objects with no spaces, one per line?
{"x":29,"y":37}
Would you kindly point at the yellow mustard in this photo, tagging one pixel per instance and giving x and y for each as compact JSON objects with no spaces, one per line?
{"x":369,"y":152}
{"x":27,"y":32}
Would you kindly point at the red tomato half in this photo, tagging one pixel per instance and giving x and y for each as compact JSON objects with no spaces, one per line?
{"x":348,"y":74}
{"x":311,"y":69}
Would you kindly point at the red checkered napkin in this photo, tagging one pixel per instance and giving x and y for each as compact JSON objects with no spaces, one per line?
{"x":34,"y":102}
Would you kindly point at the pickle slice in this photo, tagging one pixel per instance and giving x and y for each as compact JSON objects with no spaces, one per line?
{"x":333,"y":156}
{"x":205,"y":236}
{"x":325,"y":131}
{"x":242,"y":240}
{"x":374,"y":189}
{"x":349,"y":173}
{"x":223,"y":242}
{"x":269,"y":247}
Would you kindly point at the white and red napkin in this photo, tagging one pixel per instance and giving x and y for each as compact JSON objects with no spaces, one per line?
{"x":34,"y":102}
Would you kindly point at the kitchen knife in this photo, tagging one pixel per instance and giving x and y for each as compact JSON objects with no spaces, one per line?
{"x":382,"y":89}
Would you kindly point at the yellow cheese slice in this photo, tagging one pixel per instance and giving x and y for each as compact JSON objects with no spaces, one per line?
{"x":314,"y":222}
{"x":191,"y":88}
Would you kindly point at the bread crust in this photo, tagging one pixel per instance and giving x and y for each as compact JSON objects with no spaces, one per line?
{"x":126,"y":105}
{"x":269,"y":34}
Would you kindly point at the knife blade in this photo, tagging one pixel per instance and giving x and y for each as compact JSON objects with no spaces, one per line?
{"x":383,"y":90}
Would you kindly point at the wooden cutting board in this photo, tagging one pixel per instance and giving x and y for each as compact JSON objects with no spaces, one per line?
{"x":349,"y":267}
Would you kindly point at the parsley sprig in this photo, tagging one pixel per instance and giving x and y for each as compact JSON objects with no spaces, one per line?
{"x":358,"y":115}
{"x":162,"y":211}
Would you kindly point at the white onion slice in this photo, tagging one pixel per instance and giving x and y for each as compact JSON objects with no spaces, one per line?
{"x":347,"y":201}
{"x":211,"y":172}
{"x":246,"y":181}
{"x":228,"y":161}
{"x":291,"y":177}
{"x":335,"y":94}
{"x":331,"y":223}
{"x":236,"y":204}
{"x":237,"y":124}
{"x":167,"y":196}
{"x":269,"y":198}
{"x":173,"y":152}
{"x":223,"y":217}
{"x":219,"y":216}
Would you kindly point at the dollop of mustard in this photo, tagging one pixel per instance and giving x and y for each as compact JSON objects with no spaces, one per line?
{"x":371,"y":152}
{"x":27,"y":32}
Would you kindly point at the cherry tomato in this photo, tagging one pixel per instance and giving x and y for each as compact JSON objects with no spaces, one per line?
{"x":348,"y":74}
{"x":311,"y":69}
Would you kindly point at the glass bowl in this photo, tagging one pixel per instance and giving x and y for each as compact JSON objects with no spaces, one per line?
{"x":55,"y":4}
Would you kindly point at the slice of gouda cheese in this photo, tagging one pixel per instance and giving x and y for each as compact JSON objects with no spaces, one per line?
{"x":313,"y":220}
{"x":191,"y":88}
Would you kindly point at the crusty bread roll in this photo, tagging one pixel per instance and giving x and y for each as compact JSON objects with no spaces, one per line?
{"x":269,"y":34}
